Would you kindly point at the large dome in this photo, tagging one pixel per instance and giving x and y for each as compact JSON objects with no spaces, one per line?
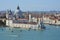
{"x":18,"y":11}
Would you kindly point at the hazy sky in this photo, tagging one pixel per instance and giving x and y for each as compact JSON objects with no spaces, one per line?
{"x":30,"y":5}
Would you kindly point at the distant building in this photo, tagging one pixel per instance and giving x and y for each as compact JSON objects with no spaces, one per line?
{"x":18,"y":13}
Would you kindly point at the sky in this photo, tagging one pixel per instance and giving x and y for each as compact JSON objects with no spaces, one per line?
{"x":30,"y":5}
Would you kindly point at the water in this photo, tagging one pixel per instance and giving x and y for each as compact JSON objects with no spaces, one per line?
{"x":51,"y":33}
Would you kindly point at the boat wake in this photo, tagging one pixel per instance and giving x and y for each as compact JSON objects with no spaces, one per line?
{"x":13,"y":35}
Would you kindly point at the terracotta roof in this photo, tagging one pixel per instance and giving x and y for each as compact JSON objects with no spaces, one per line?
{"x":23,"y":22}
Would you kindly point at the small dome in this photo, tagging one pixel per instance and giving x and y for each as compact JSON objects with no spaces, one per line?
{"x":18,"y":7}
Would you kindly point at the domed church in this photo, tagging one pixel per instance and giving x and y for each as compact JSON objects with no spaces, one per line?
{"x":18,"y":13}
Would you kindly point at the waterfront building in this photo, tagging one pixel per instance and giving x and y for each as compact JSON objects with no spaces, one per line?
{"x":18,"y":20}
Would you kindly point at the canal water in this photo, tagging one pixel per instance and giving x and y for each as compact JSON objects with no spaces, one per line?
{"x":50,"y":33}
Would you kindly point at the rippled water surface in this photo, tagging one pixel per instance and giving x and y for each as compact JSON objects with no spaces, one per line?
{"x":51,"y":33}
